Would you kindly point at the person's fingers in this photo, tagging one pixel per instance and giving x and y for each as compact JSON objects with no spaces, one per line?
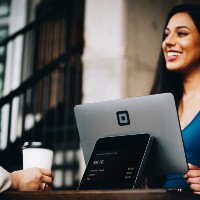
{"x":192,"y":167}
{"x":195,"y":180}
{"x":192,"y":174}
{"x":46,"y":172}
{"x":196,"y":192}
{"x":47,"y":179}
{"x":42,"y":186}
{"x":195,"y":187}
{"x":48,"y":187}
{"x":193,"y":171}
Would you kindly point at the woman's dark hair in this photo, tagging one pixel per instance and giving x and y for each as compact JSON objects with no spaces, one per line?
{"x":167,"y":81}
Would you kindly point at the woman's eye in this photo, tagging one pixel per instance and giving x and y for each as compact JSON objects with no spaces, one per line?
{"x":180,"y":33}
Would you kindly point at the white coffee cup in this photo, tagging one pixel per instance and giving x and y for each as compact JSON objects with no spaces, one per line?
{"x":37,"y":154}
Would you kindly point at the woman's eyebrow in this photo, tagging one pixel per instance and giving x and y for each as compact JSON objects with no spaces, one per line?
{"x":178,"y":27}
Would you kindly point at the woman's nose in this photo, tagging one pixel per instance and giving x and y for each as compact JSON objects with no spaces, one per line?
{"x":170,"y":40}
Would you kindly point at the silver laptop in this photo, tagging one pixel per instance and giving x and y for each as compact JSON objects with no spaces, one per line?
{"x":154,"y":114}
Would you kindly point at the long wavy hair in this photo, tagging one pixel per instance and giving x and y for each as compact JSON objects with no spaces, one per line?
{"x":165,"y":80}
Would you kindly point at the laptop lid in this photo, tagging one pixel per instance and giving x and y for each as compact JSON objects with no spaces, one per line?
{"x":154,"y":114}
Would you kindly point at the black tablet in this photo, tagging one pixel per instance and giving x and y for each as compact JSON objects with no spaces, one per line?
{"x":116,"y":162}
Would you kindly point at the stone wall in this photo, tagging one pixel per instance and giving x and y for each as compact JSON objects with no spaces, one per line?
{"x":122,"y":44}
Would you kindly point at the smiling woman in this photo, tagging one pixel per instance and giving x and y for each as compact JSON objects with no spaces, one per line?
{"x":178,"y":72}
{"x":181,"y":44}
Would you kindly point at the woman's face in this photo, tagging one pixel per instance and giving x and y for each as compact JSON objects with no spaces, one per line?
{"x":181,"y":46}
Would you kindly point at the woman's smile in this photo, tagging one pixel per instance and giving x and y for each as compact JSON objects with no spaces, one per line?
{"x":172,"y":55}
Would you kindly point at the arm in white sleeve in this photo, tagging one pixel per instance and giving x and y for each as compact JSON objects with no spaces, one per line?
{"x":5,"y":180}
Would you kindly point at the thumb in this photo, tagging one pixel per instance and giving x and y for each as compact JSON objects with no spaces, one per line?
{"x":192,"y":167}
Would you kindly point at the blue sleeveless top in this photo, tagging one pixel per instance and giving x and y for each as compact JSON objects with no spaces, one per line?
{"x":191,"y":139}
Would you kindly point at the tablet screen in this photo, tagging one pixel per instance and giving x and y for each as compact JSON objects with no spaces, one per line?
{"x":116,"y":162}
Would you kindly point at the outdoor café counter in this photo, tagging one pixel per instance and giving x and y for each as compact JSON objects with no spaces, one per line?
{"x":136,"y":194}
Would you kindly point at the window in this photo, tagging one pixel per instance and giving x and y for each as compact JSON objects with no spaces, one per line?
{"x":4,"y":8}
{"x":3,"y":34}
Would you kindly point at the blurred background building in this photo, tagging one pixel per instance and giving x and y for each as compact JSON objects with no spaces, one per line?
{"x":55,"y":54}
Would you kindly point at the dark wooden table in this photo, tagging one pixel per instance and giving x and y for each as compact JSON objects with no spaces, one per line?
{"x":138,"y":194}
